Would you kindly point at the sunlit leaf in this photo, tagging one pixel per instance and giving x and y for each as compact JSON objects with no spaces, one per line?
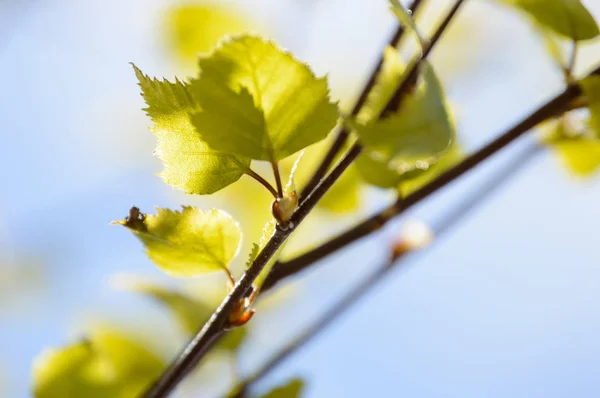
{"x":190,"y":313}
{"x":579,"y":151}
{"x":420,"y":130}
{"x":190,"y":164}
{"x":194,"y":28}
{"x":406,"y":19}
{"x":107,"y":365}
{"x":376,"y":172}
{"x":188,"y":242}
{"x":386,"y":83}
{"x":292,"y":389}
{"x":591,"y":90}
{"x":568,"y":18}
{"x":258,"y":101}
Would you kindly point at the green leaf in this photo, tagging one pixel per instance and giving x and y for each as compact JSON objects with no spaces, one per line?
{"x":292,"y":389}
{"x":422,"y":129}
{"x":188,"y":242}
{"x":190,"y":164}
{"x":591,"y":90}
{"x":191,"y":314}
{"x":406,"y":19}
{"x":260,"y":102}
{"x":196,"y":28}
{"x":108,"y":365}
{"x":579,"y":151}
{"x":387,"y":81}
{"x":376,"y":171}
{"x":568,"y":18}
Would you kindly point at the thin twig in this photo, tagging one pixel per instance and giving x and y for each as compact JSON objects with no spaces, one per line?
{"x":262,"y":181}
{"x":343,"y":133}
{"x":552,"y":108}
{"x":215,"y":326}
{"x":277,"y":175}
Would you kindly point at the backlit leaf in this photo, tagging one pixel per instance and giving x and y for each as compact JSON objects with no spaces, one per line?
{"x":188,"y":242}
{"x":108,"y":365}
{"x":406,"y":19}
{"x":292,"y":389}
{"x":190,"y":164}
{"x":190,"y":313}
{"x":591,"y":90}
{"x":578,"y":150}
{"x":568,"y":18}
{"x":420,"y":130}
{"x":260,"y":102}
{"x":194,"y":28}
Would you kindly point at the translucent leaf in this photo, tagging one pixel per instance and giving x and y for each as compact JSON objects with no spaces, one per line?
{"x":188,"y":242}
{"x":386,"y":83}
{"x":190,"y":313}
{"x":406,"y":19}
{"x":376,"y":172}
{"x":416,"y":178}
{"x":196,"y":28}
{"x":591,"y":90}
{"x":292,"y":389}
{"x":568,"y":18}
{"x":260,"y":102}
{"x":190,"y":164}
{"x":105,"y":366}
{"x":420,"y":130}
{"x":579,"y":151}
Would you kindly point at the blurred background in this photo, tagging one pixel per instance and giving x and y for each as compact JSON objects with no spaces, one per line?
{"x":503,"y":304}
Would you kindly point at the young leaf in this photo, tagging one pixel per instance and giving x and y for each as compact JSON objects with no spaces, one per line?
{"x":190,"y":313}
{"x":108,"y":365}
{"x":385,"y":85}
{"x":197,"y":28}
{"x":188,"y":242}
{"x":591,"y":90}
{"x":292,"y":389}
{"x":568,"y":18}
{"x":190,"y":164}
{"x":421,"y":130}
{"x":260,"y":102}
{"x":406,"y":19}
{"x":376,"y":171}
{"x":579,"y":151}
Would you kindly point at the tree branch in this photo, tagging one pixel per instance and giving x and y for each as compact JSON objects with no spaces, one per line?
{"x":218,"y":322}
{"x":450,"y":219}
{"x":343,"y":133}
{"x":556,"y":106}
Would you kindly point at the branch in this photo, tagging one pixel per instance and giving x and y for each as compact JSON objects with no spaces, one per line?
{"x":453,"y":217}
{"x":218,"y":322}
{"x":557,"y":105}
{"x":343,"y":133}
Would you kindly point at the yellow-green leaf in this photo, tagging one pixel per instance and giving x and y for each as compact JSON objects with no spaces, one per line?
{"x":190,"y":313}
{"x":376,"y":171}
{"x":406,"y":19}
{"x":420,"y":130}
{"x":194,"y":28}
{"x":188,"y":242}
{"x":580,"y":155}
{"x":591,"y":90}
{"x":108,"y":365}
{"x":268,"y":232}
{"x":260,"y":102}
{"x":190,"y":164}
{"x":292,"y":389}
{"x":568,"y":18}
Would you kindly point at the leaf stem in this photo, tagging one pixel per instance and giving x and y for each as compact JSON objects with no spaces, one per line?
{"x":343,"y":133}
{"x":262,"y":181}
{"x":277,"y":175}
{"x":570,"y":67}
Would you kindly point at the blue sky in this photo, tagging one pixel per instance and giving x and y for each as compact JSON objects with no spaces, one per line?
{"x":504,"y":304}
